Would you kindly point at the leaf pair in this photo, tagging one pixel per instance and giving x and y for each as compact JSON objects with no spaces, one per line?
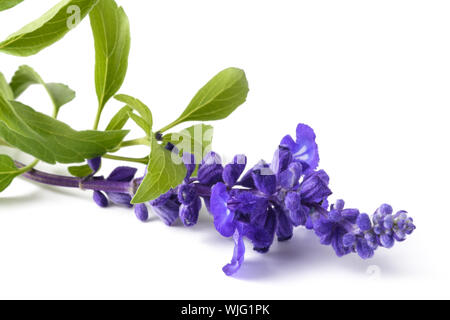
{"x":165,"y":169}
{"x":51,"y":140}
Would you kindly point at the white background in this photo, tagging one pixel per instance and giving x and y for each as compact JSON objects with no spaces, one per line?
{"x":372,"y":78}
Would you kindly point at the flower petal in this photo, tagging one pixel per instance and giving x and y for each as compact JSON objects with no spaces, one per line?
{"x":291,"y":176}
{"x":281,"y":159}
{"x":265,"y":180}
{"x":122,"y":199}
{"x":285,"y":228}
{"x":233,"y":171}
{"x":100,"y":199}
{"x":95,"y":164}
{"x":141,"y":212}
{"x":307,"y":153}
{"x":189,"y":213}
{"x":187,"y":194}
{"x":238,"y":255}
{"x":122,"y":174}
{"x":210,"y":171}
{"x":223,"y":217}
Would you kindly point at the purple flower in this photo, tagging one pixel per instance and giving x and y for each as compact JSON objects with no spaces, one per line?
{"x":100,"y":199}
{"x":141,"y":212}
{"x":332,"y":227}
{"x":233,"y":171}
{"x":268,"y":200}
{"x":189,"y":213}
{"x":167,"y":207}
{"x":121,"y":174}
{"x":210,"y":170}
{"x":304,"y":149}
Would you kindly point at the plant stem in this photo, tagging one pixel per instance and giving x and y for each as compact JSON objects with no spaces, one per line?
{"x":119,"y":158}
{"x":97,"y":117}
{"x":24,"y":169}
{"x":136,"y":142}
{"x":170,"y":126}
{"x":73,"y":182}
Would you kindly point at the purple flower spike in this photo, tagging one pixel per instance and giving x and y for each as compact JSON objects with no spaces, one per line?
{"x":238,"y":255}
{"x":122,"y":174}
{"x":304,"y":149}
{"x":189,"y":213}
{"x":95,"y":164}
{"x":141,"y":212}
{"x":100,"y":199}
{"x":233,"y":171}
{"x":210,"y":171}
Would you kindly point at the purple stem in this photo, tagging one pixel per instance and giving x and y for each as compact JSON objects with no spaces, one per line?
{"x":91,"y":183}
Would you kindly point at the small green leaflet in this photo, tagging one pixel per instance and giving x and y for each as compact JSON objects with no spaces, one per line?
{"x":25,"y":76}
{"x":49,"y":28}
{"x":111,"y":31}
{"x":8,"y":4}
{"x":8,"y":171}
{"x":5,"y":89}
{"x":145,"y":121}
{"x":80,"y":171}
{"x":165,"y":171}
{"x":120,"y":119}
{"x":217,"y":99}
{"x":51,"y":140}
{"x":196,"y":140}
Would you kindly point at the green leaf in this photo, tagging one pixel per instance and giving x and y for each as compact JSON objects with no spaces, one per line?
{"x":141,"y":123}
{"x":8,"y":4}
{"x":196,"y":140}
{"x":49,"y":28}
{"x":142,"y":109}
{"x":111,"y":32}
{"x":120,"y":119}
{"x":5,"y":89}
{"x":51,"y":140}
{"x":217,"y":99}
{"x":162,"y":174}
{"x":8,"y":171}
{"x":25,"y":76}
{"x":80,"y":171}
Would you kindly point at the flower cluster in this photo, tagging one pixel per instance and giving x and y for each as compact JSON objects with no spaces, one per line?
{"x":268,"y":201}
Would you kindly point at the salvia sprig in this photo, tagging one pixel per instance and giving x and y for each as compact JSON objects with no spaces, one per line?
{"x":260,"y":203}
